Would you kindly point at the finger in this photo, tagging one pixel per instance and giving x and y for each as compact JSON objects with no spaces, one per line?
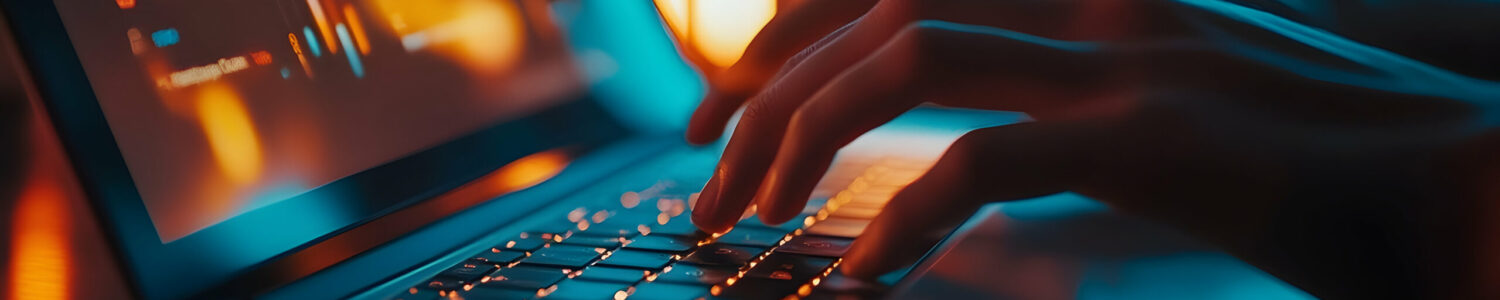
{"x":745,"y":159}
{"x":1105,"y":20}
{"x":992,"y":164}
{"x":925,"y":61}
{"x":742,"y":165}
{"x":779,"y":40}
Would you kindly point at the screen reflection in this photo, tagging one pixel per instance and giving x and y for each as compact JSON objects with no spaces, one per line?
{"x":220,"y":108}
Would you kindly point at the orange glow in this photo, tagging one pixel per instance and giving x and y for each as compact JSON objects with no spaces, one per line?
{"x":40,"y":250}
{"x":323,"y":27}
{"x":261,"y":58}
{"x":675,"y":12}
{"x":357,"y":28}
{"x":483,"y":36}
{"x":125,"y":4}
{"x":230,"y":132}
{"x":297,"y":48}
{"x":718,"y":30}
{"x":530,"y":170}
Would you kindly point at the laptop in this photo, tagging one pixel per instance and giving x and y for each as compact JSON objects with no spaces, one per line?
{"x":390,"y":149}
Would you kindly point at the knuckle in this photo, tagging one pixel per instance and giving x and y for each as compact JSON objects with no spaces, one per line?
{"x":755,"y":111}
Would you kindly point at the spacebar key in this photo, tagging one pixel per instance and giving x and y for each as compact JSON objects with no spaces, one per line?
{"x":760,"y":288}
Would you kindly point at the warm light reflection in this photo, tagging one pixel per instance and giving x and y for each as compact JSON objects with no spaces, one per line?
{"x":230,"y":132}
{"x":324,"y":26}
{"x":357,"y":27}
{"x":40,"y":250}
{"x":484,"y":36}
{"x":717,"y":30}
{"x":530,"y":170}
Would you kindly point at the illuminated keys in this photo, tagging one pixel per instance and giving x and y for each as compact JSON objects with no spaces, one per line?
{"x":524,"y":277}
{"x":637,"y":259}
{"x":613,"y":274}
{"x":669,"y":291}
{"x":692,"y":274}
{"x":751,"y":236}
{"x":721,"y":255}
{"x":817,"y":246}
{"x":468,"y":271}
{"x":790,"y":267}
{"x":585,"y":289}
{"x":839,"y":227}
{"x":563,"y":256}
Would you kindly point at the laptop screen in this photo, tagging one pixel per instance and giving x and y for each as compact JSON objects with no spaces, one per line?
{"x":222,"y":139}
{"x":222,"y":107}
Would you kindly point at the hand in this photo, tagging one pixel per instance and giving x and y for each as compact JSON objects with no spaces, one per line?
{"x":1165,"y":123}
{"x":769,"y":111}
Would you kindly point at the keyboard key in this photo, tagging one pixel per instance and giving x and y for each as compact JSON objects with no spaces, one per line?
{"x":602,"y":273}
{"x":560,"y":228}
{"x":752,"y":237}
{"x":575,"y":289}
{"x":529,"y":243}
{"x":856,"y":212}
{"x":789,"y":226}
{"x":721,"y":255}
{"x":647,"y":260}
{"x":493,"y":293}
{"x":790,"y":267}
{"x":590,"y":240}
{"x":619,"y":227}
{"x":663,"y":243}
{"x":445,"y":284}
{"x":524,"y":277}
{"x":816,"y":246}
{"x":690,"y":274}
{"x":839,"y":227}
{"x":564,"y":256}
{"x":500,"y":257}
{"x":760,"y":288}
{"x":418,"y":294}
{"x":837,"y":286}
{"x":669,"y":291}
{"x":679,"y":226}
{"x":469,"y":271}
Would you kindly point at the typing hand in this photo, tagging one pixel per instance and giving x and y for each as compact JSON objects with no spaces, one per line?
{"x":856,"y":72}
{"x":1166,"y":119}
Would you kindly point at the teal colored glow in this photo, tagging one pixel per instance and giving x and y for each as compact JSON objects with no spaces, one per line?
{"x":1183,"y":275}
{"x":1054,"y":207}
{"x":312,"y":42}
{"x":349,"y":51}
{"x":292,"y":222}
{"x":165,"y":37}
{"x":1320,"y":55}
{"x":632,"y":63}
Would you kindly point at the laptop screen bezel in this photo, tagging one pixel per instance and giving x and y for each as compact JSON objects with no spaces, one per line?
{"x":166,"y":271}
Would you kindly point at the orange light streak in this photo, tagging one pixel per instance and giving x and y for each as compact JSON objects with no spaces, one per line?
{"x":39,"y":266}
{"x":357,"y":29}
{"x":530,"y":170}
{"x":297,"y":48}
{"x":323,"y":27}
{"x":230,"y":132}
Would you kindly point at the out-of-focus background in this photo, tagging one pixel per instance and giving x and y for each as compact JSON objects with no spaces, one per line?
{"x":53,"y":248}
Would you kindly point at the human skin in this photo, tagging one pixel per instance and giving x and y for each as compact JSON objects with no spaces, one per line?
{"x":1342,"y":168}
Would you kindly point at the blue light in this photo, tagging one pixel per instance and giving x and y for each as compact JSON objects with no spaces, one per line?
{"x":354,"y":63}
{"x":165,"y":37}
{"x":312,"y":41}
{"x":286,"y":73}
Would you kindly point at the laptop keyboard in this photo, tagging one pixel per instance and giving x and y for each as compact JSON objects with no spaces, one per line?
{"x":645,"y":247}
